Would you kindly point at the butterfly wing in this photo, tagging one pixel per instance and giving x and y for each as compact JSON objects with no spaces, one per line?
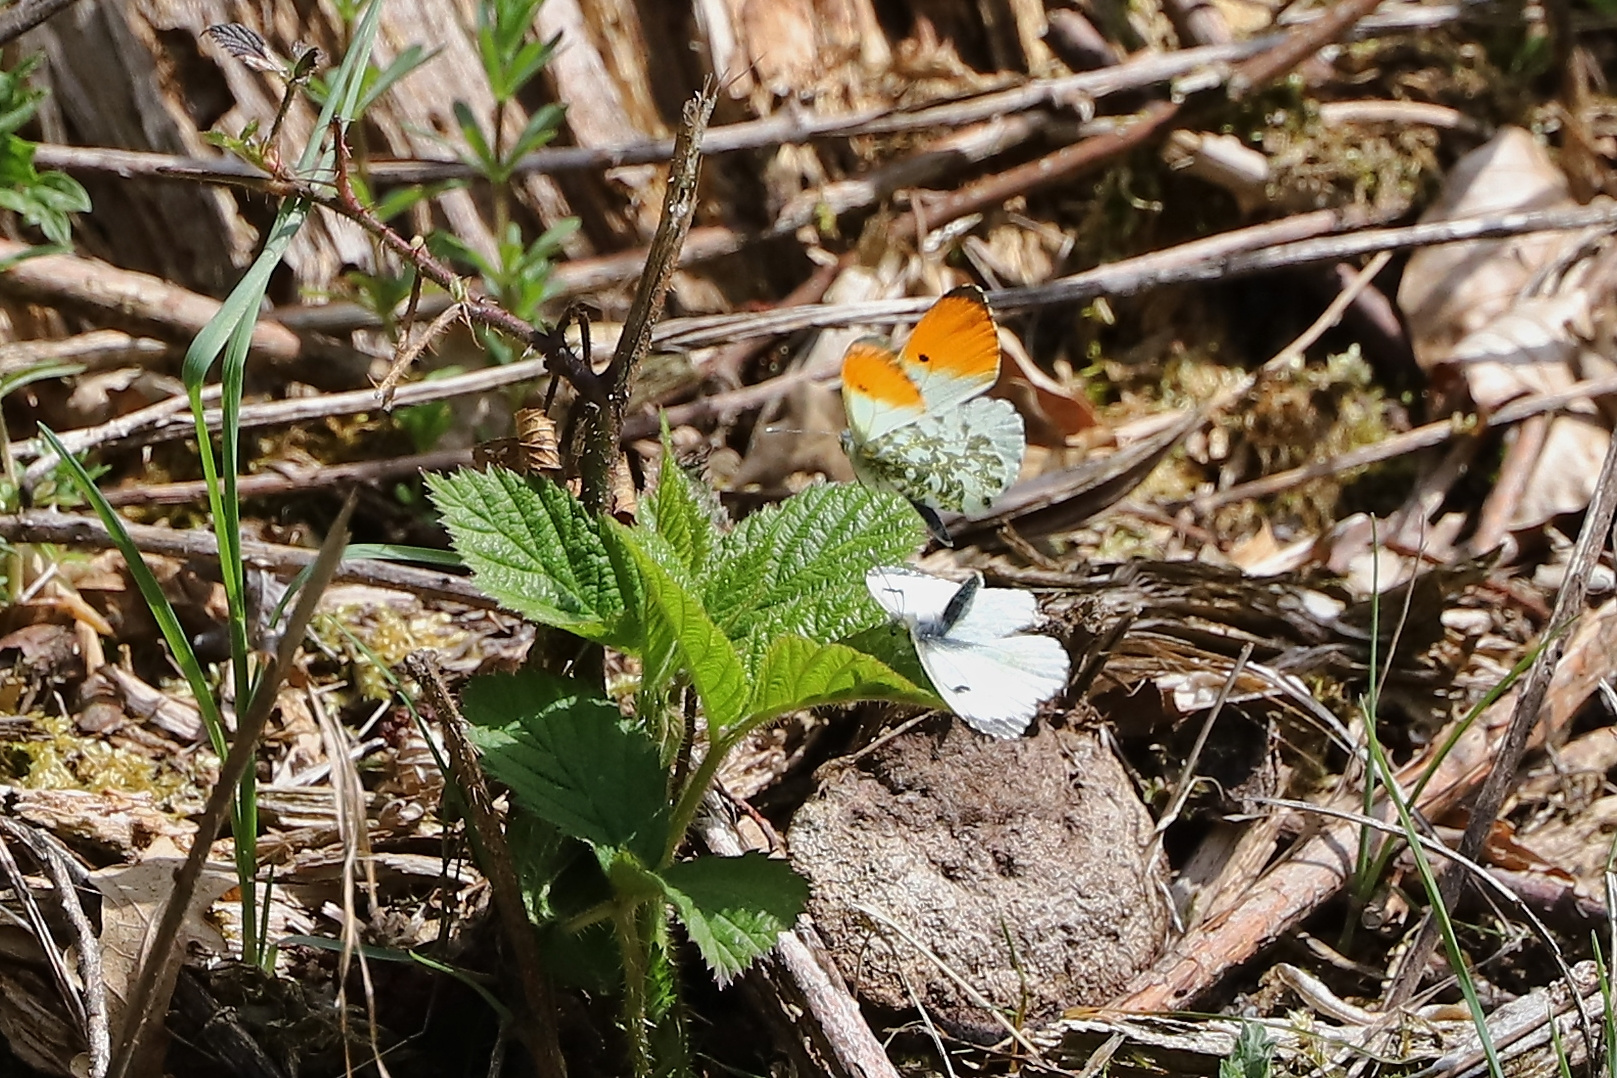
{"x":953,"y":355}
{"x":959,"y":460}
{"x":909,"y":595}
{"x":994,"y":615}
{"x":997,"y":687}
{"x":876,"y":393}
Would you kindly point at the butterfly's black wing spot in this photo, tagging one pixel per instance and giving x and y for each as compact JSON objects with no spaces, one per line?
{"x":934,"y":523}
{"x":924,"y":358}
{"x":960,"y":602}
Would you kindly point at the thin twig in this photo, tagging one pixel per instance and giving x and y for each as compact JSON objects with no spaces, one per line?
{"x":1507,"y":756}
{"x":65,"y":988}
{"x":164,"y":421}
{"x":1422,"y":437}
{"x":408,"y":350}
{"x":785,"y":127}
{"x":1468,"y":868}
{"x":549,"y":343}
{"x":971,"y":991}
{"x":96,"y":1030}
{"x":539,"y":1033}
{"x":24,"y":15}
{"x":1187,"y":774}
{"x":289,"y":478}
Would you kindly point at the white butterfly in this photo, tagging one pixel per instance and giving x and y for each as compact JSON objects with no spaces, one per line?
{"x":970,"y":642}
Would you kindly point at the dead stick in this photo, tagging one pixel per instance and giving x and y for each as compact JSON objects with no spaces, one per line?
{"x":296,"y":479}
{"x":547,"y":342}
{"x":539,"y":1033}
{"x":284,"y":561}
{"x":645,"y":311}
{"x":1264,"y":68}
{"x":804,"y":988}
{"x":1318,"y":866}
{"x":24,"y":15}
{"x":161,"y":954}
{"x":97,"y":1033}
{"x":126,"y":299}
{"x":1422,"y":437}
{"x":784,"y":128}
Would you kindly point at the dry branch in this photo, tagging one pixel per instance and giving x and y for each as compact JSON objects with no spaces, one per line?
{"x":802,"y":983}
{"x":538,"y":1032}
{"x":24,"y":15}
{"x":139,"y":302}
{"x":85,"y":532}
{"x":679,"y":206}
{"x":1593,"y":540}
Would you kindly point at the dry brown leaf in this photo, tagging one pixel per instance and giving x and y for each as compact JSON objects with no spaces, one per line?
{"x":1455,"y":289}
{"x":1055,"y":415}
{"x":1535,"y":347}
{"x":133,"y":899}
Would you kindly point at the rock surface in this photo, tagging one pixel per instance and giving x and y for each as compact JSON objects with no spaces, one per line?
{"x":1018,"y":864}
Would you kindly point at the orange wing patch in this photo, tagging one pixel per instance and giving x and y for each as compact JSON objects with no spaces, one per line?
{"x":956,"y":340}
{"x":872,"y":372}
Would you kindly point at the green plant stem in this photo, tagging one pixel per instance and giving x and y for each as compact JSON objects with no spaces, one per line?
{"x":632,"y":946}
{"x":690,"y":798}
{"x":497,"y":864}
{"x":1440,"y":913}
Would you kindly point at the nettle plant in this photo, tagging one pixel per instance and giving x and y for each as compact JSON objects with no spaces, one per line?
{"x":755,"y":621}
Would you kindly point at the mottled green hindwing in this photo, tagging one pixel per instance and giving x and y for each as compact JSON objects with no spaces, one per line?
{"x":958,"y":461}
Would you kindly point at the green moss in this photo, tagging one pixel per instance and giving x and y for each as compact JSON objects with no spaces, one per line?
{"x":376,"y":638}
{"x":63,"y":759}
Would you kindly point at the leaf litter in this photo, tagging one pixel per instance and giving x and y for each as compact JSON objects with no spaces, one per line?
{"x":1258,"y":619}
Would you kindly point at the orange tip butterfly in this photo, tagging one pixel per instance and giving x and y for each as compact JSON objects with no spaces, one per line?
{"x":918,"y":423}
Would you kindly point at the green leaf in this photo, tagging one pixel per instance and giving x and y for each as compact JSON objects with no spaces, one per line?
{"x":799,"y":567}
{"x":571,"y":758}
{"x":1251,"y":1055}
{"x":481,"y":156}
{"x":889,"y":644}
{"x":674,"y":617}
{"x":399,"y":199}
{"x":448,"y":245}
{"x":41,"y":371}
{"x":536,"y":550}
{"x":541,"y":127}
{"x":796,"y":673}
{"x":527,"y":62}
{"x":18,"y":100}
{"x":735,"y":908}
{"x":380,"y":82}
{"x":179,"y":642}
{"x":38,"y":251}
{"x":676,"y":511}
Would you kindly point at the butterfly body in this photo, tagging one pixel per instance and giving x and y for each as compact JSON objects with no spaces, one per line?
{"x":972,"y":643}
{"x":918,"y":423}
